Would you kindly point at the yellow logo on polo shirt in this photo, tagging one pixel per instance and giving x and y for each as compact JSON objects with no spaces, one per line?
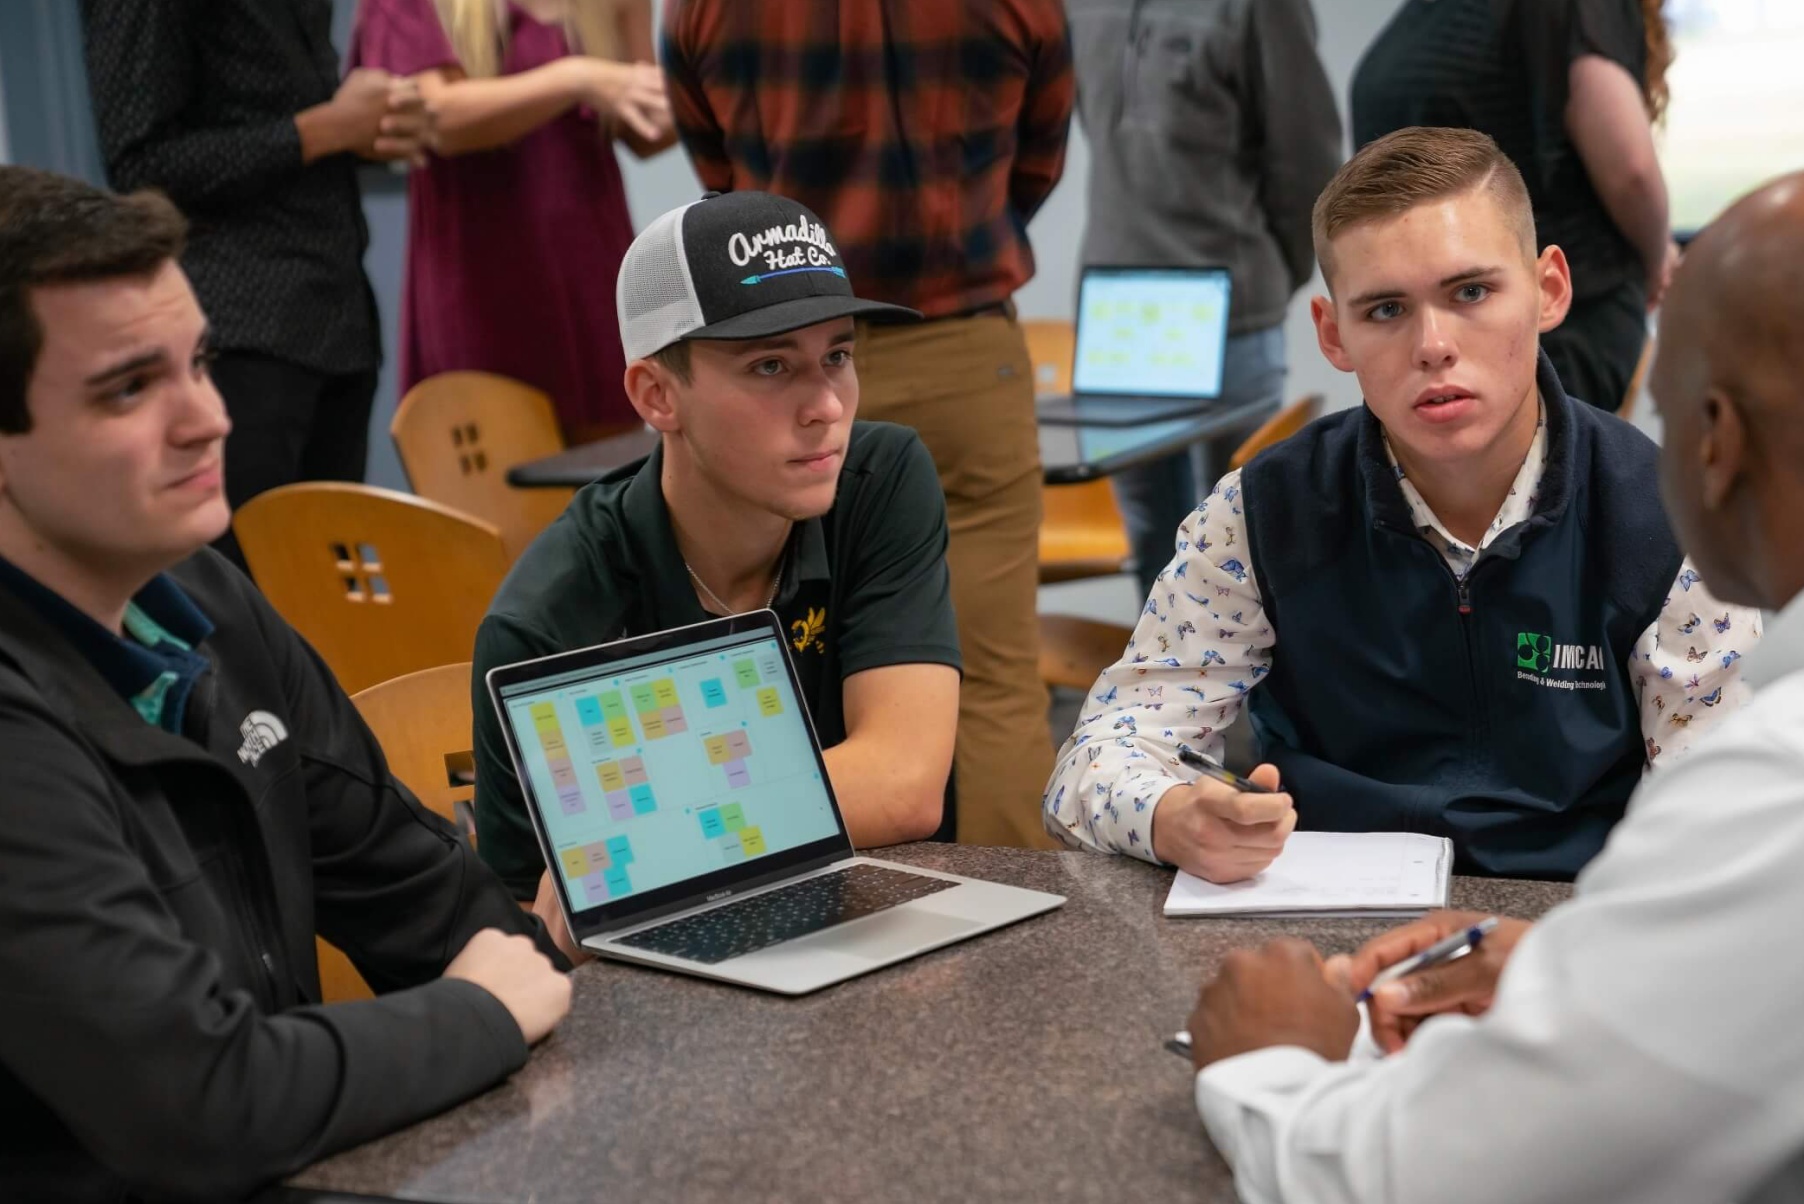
{"x":807,"y":632}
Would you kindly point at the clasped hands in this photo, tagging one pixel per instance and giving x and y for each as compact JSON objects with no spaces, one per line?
{"x":1284,"y":993}
{"x":381,"y":117}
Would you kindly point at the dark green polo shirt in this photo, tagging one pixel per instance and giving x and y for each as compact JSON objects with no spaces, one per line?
{"x":863,"y":586}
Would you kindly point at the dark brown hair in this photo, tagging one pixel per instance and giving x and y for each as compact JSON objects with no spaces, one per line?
{"x":1416,"y":166}
{"x":676,"y":358}
{"x":55,"y":230}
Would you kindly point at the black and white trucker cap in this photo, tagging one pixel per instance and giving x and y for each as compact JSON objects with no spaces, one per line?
{"x":733,"y":265}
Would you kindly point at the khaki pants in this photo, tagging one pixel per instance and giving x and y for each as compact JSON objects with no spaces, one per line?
{"x":966,"y":386}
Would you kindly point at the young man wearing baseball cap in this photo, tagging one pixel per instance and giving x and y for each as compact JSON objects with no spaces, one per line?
{"x":737,"y":321}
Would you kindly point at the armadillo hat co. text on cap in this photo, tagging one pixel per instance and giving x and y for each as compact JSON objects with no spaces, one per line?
{"x":733,"y":265}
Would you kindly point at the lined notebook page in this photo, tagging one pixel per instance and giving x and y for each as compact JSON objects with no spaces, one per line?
{"x":1351,"y":873}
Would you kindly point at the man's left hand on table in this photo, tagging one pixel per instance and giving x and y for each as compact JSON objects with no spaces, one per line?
{"x":1275,"y":995}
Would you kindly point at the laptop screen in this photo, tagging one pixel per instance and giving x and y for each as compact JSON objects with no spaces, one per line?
{"x":1151,"y":332}
{"x":662,"y":768}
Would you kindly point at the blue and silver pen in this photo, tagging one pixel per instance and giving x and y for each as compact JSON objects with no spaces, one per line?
{"x":1444,"y":950}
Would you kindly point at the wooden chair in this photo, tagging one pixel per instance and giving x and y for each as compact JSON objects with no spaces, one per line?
{"x":339,"y":981}
{"x":1280,"y":426}
{"x":457,"y":435}
{"x":380,"y":583}
{"x":1051,"y":344}
{"x":1081,"y":534}
{"x":1074,"y":651}
{"x":422,"y":721}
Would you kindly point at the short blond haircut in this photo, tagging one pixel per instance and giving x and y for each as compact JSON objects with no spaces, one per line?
{"x":1412,"y":167}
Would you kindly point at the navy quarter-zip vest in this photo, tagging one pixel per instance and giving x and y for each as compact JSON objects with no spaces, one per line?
{"x":1499,"y":711}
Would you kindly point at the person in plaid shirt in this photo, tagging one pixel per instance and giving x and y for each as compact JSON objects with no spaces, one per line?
{"x":925,"y":136}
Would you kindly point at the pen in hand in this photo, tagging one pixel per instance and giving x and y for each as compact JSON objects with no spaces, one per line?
{"x":1210,"y":769}
{"x":1455,"y":944}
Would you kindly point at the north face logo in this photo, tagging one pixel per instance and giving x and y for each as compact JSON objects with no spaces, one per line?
{"x":262,"y":731}
{"x":1534,"y":652}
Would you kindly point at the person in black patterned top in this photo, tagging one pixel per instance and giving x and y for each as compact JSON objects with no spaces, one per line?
{"x":235,"y":111}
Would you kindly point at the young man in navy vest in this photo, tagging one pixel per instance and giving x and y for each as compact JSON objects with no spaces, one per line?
{"x":1457,"y":609}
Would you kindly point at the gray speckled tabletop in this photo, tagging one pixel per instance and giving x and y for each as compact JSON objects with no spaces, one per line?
{"x":1023,"y":1065}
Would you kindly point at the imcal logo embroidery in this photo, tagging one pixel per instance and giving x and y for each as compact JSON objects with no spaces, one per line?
{"x":1537,"y":656}
{"x":806,"y":633}
{"x":1534,"y":651}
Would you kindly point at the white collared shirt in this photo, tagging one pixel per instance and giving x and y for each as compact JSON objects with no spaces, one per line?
{"x":1203,"y":643}
{"x":1644,"y":1045}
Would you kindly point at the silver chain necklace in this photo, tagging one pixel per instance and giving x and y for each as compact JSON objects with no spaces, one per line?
{"x":722,"y":607}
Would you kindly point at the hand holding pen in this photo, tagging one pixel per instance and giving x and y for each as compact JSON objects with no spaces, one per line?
{"x":1220,"y":826}
{"x":1447,"y":961}
{"x":1401,"y":998}
{"x":1455,"y":944}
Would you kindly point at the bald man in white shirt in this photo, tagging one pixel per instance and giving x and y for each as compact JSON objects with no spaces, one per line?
{"x":1641,"y":1042}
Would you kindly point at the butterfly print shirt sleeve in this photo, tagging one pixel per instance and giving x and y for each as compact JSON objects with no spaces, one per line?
{"x":1687,"y":666}
{"x":1201,"y":644}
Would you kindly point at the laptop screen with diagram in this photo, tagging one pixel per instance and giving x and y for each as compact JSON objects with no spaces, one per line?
{"x":1151,"y":332}
{"x":664,"y":768}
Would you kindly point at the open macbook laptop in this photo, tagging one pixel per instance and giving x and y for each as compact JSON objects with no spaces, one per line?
{"x":1150,"y":345}
{"x":679,"y":795}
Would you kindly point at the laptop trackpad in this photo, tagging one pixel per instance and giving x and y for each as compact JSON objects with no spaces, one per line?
{"x":888,"y":934}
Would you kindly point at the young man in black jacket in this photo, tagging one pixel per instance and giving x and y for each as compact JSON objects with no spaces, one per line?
{"x":190,"y":797}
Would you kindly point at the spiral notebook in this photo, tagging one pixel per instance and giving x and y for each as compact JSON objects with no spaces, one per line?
{"x":1330,"y":873}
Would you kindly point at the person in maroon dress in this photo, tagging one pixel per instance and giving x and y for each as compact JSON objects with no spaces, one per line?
{"x":517,"y":224}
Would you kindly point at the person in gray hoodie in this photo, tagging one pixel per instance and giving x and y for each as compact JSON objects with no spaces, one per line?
{"x":1212,"y":128}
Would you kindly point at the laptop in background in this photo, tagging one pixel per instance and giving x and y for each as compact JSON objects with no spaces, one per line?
{"x":1150,"y":345}
{"x":678,"y":792}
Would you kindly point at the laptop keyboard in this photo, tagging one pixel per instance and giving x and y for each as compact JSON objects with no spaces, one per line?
{"x":785,"y":913}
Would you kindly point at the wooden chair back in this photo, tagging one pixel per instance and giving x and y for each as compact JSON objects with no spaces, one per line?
{"x":1280,"y":426}
{"x":1081,"y":534}
{"x":1051,"y":344}
{"x":457,"y":435}
{"x":380,"y":583}
{"x":339,"y":981}
{"x":422,"y":721}
{"x":1074,"y":651}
